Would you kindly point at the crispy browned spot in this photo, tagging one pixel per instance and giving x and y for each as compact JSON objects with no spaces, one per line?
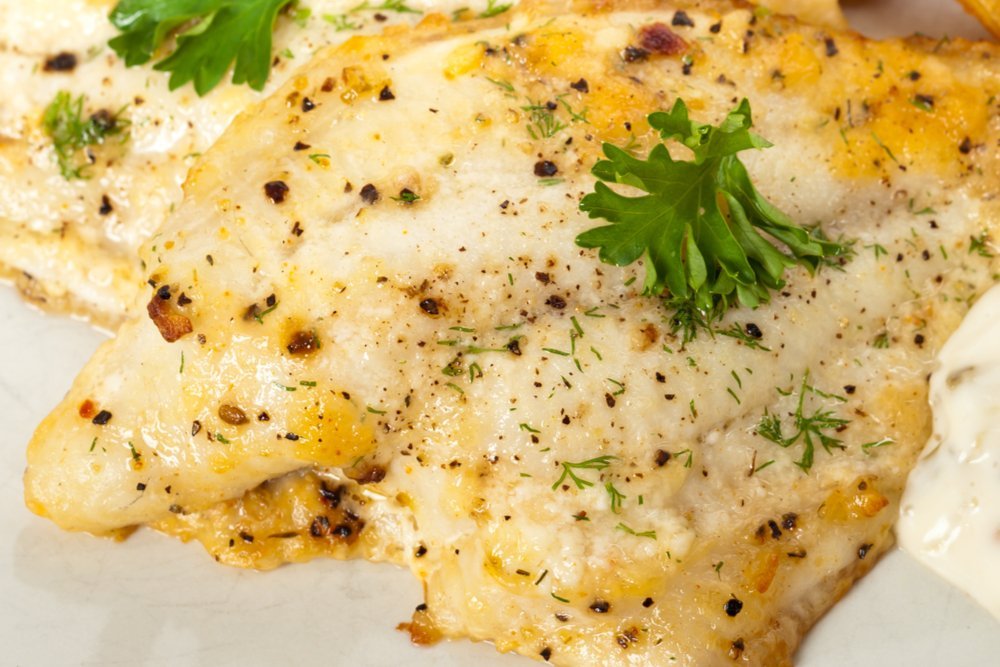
{"x":302,"y":342}
{"x":366,"y":473}
{"x":172,"y":326}
{"x":422,"y":630}
{"x":658,"y":38}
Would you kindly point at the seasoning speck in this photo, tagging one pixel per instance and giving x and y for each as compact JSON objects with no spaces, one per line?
{"x":600,"y":607}
{"x":276,"y":191}
{"x":544,"y":168}
{"x":231,"y":414}
{"x":369,"y":194}
{"x":61,"y":62}
{"x":733,"y":607}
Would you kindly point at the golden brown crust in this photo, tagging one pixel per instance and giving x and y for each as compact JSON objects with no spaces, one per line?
{"x":987,"y":11}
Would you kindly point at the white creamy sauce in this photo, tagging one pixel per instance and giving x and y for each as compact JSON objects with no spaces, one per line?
{"x":950,"y":518}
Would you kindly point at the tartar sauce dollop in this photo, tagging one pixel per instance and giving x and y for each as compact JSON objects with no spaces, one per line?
{"x":950,"y":514}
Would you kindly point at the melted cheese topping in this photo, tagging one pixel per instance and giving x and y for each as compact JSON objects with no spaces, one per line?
{"x":950,"y":517}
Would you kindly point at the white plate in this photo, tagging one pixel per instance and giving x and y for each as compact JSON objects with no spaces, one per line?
{"x":70,"y":599}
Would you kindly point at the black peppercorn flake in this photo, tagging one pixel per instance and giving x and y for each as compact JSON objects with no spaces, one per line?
{"x":733,"y":606}
{"x":307,"y":105}
{"x":106,"y":207}
{"x":299,"y":146}
{"x":633,"y":54}
{"x":369,"y":194}
{"x":661,"y":458}
{"x":831,"y":47}
{"x":580,"y":85}
{"x":863,"y":550}
{"x":546,"y":653}
{"x":556,"y":301}
{"x":600,"y":607}
{"x":544,"y":169}
{"x":753,"y":331}
{"x":163,"y":293}
{"x":430,"y":306}
{"x":276,"y":191}
{"x":101,"y":418}
{"x":682,"y":19}
{"x":385,"y":94}
{"x":647,"y":603}
{"x":61,"y":62}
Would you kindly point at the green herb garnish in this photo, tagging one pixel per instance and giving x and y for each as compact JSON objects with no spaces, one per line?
{"x":598,"y":463}
{"x":211,"y":36}
{"x":616,"y":497}
{"x":494,"y":8}
{"x":398,"y":6}
{"x":809,"y":428}
{"x":70,"y":132}
{"x":651,"y":534}
{"x":699,"y":227}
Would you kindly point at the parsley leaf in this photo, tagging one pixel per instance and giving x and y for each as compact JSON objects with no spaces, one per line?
{"x":211,"y":36}
{"x":699,"y":226}
{"x":70,"y":132}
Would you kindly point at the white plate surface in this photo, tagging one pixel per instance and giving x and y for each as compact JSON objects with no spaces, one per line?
{"x":69,"y":599}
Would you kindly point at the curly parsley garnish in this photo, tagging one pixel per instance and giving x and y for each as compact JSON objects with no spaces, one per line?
{"x":211,"y":36}
{"x":71,"y":132}
{"x":707,"y":236}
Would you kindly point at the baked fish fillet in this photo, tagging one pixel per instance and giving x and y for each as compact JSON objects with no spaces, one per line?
{"x":73,"y":245}
{"x":368,"y":324}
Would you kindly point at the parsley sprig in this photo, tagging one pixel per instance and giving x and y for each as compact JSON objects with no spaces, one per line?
{"x":211,"y":36}
{"x":810,"y":428}
{"x":707,"y":236}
